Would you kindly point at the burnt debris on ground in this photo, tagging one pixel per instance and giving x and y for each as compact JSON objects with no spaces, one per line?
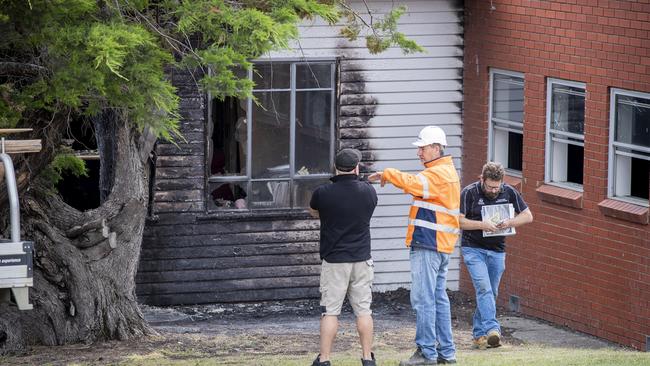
{"x":392,"y":304}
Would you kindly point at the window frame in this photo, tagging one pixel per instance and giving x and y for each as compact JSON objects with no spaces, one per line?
{"x":513,"y":125}
{"x":247,"y":180}
{"x":611,"y":169}
{"x":548,"y":151}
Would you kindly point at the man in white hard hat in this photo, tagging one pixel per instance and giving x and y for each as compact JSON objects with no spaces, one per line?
{"x":432,"y":233}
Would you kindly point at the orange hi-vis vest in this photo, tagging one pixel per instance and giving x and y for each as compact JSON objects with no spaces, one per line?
{"x":434,"y":215}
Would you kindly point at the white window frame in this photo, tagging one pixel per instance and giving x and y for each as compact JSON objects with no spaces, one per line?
{"x":514,"y":127}
{"x":247,"y":179}
{"x":613,"y":178}
{"x":552,"y":165}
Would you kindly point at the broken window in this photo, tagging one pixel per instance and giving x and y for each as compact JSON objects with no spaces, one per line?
{"x":271,"y":152}
{"x":629,"y":149}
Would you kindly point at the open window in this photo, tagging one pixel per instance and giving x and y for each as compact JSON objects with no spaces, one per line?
{"x":629,"y":146}
{"x":565,"y":125}
{"x":506,"y":112}
{"x":273,"y":152}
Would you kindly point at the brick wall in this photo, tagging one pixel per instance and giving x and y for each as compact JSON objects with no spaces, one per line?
{"x":572,"y":266}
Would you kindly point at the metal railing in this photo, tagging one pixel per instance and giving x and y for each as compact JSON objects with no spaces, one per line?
{"x":12,"y":189}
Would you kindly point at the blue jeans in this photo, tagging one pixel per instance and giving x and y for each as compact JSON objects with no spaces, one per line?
{"x":431,"y":304}
{"x":485,"y":267}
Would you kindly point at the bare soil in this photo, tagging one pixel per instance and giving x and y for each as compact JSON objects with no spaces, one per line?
{"x":266,"y":328}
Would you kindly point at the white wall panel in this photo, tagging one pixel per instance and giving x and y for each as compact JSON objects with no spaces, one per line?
{"x":362,"y":53}
{"x":405,"y":63}
{"x":385,"y":100}
{"x":405,"y":142}
{"x":403,"y":154}
{"x":378,"y":87}
{"x":442,"y":120}
{"x":406,"y":97}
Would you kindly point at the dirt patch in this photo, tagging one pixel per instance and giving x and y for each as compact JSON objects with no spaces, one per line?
{"x":266,"y":328}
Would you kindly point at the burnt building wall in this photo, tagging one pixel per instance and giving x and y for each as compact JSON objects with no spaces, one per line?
{"x":192,"y":255}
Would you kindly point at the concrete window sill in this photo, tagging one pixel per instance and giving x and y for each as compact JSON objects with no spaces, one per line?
{"x":560,"y":196}
{"x":624,"y":211}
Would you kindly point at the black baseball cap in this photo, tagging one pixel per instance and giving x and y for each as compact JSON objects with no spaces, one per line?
{"x":347,"y":159}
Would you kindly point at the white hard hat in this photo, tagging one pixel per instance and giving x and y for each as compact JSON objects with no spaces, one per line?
{"x":431,"y":135}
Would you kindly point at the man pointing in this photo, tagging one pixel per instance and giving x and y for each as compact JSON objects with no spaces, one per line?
{"x":431,"y":235}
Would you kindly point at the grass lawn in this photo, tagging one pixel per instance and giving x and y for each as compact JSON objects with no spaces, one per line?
{"x":504,"y":356}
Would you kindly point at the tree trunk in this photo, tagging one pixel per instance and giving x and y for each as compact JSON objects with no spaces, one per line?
{"x":85,"y":262}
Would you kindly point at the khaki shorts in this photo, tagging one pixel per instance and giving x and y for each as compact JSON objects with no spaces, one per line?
{"x":353,"y":279}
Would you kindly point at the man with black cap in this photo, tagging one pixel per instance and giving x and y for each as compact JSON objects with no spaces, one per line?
{"x":345,"y":208}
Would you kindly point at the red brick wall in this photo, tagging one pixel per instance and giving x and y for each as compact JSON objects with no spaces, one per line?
{"x":574,"y":267}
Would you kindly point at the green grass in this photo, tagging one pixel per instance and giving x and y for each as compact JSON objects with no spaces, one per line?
{"x":506,"y":356}
{"x":251,"y":349}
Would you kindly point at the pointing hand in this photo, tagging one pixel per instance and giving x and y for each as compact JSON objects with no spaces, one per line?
{"x":374,"y":177}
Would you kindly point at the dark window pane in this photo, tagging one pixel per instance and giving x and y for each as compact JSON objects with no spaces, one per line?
{"x":227,"y":195}
{"x":313,"y":131}
{"x":274,"y":194}
{"x":313,"y":76}
{"x":575,"y":157}
{"x":229,"y":137}
{"x":240,"y":73}
{"x":269,"y":124}
{"x":508,"y":98}
{"x":640,"y":178}
{"x":270,"y":143}
{"x":633,"y":120}
{"x":302,"y":190}
{"x":568,"y":109}
{"x":515,"y":150}
{"x":272,"y":75}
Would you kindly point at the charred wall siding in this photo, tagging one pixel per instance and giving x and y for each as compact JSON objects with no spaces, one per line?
{"x":186,"y":260}
{"x":190,"y":257}
{"x":384,"y":101}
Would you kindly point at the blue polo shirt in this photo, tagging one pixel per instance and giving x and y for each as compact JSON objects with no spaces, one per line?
{"x":472,"y":199}
{"x":345,"y":208}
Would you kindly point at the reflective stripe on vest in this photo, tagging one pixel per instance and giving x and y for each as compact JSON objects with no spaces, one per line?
{"x":432,"y":226}
{"x":433,"y":207}
{"x":425,"y":185}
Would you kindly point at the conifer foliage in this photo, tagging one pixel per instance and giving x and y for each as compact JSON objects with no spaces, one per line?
{"x":105,"y":61}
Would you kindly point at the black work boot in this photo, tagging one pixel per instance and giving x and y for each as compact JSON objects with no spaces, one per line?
{"x":318,"y":363}
{"x":443,"y":361}
{"x":418,"y":359}
{"x":370,"y":362}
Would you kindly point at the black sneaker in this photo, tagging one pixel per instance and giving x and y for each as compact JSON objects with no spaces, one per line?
{"x":370,"y":362}
{"x":443,"y":361}
{"x":318,"y":363}
{"x":418,"y":359}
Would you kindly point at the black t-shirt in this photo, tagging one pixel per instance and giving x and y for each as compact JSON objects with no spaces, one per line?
{"x":345,"y":208}
{"x":472,"y":199}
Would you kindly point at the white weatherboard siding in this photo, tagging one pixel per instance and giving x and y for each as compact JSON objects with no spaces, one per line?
{"x":385,"y":100}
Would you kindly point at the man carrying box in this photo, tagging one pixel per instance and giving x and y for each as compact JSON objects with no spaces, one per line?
{"x":483,"y":251}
